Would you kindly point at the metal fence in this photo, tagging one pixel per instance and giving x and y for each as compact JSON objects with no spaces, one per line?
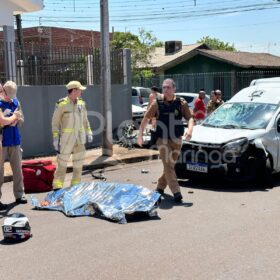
{"x":228,"y":82}
{"x":2,"y":64}
{"x":49,"y":65}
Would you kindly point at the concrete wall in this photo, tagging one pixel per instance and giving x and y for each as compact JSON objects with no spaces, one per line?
{"x":38,"y":103}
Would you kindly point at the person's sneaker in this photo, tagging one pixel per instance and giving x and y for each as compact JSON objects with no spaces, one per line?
{"x":21,"y":200}
{"x":3,"y":206}
{"x":178,"y":197}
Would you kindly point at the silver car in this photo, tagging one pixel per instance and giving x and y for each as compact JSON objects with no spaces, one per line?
{"x":140,"y":95}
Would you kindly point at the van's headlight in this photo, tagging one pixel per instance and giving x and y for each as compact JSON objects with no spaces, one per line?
{"x":236,"y":148}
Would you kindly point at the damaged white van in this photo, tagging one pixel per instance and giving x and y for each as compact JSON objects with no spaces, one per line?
{"x":241,"y":139}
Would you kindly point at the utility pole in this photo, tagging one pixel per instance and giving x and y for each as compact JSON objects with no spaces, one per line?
{"x":107,"y":142}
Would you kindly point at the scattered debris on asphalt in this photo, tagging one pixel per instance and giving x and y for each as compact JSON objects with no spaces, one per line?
{"x":129,"y":136}
{"x":16,"y":228}
{"x":99,"y":176}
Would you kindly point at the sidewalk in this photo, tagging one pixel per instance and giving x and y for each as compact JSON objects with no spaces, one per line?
{"x":95,"y":160}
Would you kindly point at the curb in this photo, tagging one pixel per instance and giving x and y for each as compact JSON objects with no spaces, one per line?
{"x":116,"y":162}
{"x":112,"y":162}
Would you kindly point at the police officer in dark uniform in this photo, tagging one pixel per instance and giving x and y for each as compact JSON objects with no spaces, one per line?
{"x":169,"y":131}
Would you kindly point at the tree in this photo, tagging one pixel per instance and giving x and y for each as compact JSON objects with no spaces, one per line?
{"x":141,"y":47}
{"x":217,"y":44}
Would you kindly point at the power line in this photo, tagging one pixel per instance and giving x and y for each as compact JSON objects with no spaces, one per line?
{"x":159,"y":6}
{"x":152,"y":11}
{"x":168,"y":16}
{"x":222,"y":27}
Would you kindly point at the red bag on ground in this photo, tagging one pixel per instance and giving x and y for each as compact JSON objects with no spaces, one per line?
{"x":37,"y":175}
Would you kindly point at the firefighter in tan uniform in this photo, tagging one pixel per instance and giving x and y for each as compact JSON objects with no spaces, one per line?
{"x":70,"y":128}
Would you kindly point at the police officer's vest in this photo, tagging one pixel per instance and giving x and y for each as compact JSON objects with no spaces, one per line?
{"x":169,"y":120}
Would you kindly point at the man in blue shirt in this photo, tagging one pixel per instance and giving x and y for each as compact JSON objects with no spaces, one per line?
{"x":11,"y":141}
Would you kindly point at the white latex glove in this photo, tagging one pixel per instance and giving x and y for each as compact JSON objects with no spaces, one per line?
{"x":56,"y":144}
{"x":89,"y":138}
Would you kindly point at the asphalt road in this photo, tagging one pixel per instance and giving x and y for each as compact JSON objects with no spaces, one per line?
{"x":221,"y":231}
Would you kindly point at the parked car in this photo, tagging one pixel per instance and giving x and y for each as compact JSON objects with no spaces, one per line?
{"x":191,"y":97}
{"x":188,"y":96}
{"x":137,"y":113}
{"x":140,"y":95}
{"x":241,"y":139}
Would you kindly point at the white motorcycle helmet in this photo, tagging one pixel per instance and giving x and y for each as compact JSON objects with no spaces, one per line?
{"x":16,"y":228}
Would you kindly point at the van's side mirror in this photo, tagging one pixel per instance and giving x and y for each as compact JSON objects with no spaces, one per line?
{"x":278,"y":125}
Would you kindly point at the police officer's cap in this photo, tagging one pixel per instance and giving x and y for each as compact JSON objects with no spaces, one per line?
{"x":75,"y":84}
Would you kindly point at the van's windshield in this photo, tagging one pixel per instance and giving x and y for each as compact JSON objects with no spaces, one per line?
{"x":241,"y":116}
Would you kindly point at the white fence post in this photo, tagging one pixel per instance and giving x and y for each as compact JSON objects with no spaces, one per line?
{"x":90,"y":69}
{"x":20,"y":72}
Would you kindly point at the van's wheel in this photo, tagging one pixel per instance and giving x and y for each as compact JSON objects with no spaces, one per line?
{"x":181,"y":172}
{"x":264,"y":174}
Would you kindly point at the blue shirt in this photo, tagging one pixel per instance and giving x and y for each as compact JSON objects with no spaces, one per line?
{"x":11,"y":136}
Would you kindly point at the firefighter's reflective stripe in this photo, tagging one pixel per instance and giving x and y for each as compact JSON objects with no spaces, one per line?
{"x":57,"y":184}
{"x":55,"y":134}
{"x":68,"y":130}
{"x":75,"y":182}
{"x":62,"y":102}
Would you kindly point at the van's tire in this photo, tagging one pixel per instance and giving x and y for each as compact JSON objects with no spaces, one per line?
{"x":264,"y":173}
{"x":180,"y":172}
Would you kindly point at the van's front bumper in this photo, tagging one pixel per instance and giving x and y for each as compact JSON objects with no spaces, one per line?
{"x":209,"y":161}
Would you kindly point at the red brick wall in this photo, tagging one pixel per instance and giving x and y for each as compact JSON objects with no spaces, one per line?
{"x":61,"y":36}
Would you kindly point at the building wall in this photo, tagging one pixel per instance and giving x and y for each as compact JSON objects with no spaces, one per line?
{"x":201,"y":64}
{"x":38,"y":104}
{"x":62,"y":36}
{"x":57,"y":37}
{"x":204,"y":64}
{"x":208,"y":73}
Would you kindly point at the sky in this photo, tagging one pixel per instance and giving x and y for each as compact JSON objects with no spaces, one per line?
{"x":251,"y":25}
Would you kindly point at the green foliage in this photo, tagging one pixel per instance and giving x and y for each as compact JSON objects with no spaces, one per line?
{"x":159,"y":44}
{"x":143,"y":73}
{"x":217,"y":44}
{"x":141,"y":47}
{"x":147,"y":73}
{"x":125,"y":40}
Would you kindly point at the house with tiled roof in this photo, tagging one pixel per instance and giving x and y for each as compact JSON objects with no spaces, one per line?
{"x":197,"y":66}
{"x":199,"y":58}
